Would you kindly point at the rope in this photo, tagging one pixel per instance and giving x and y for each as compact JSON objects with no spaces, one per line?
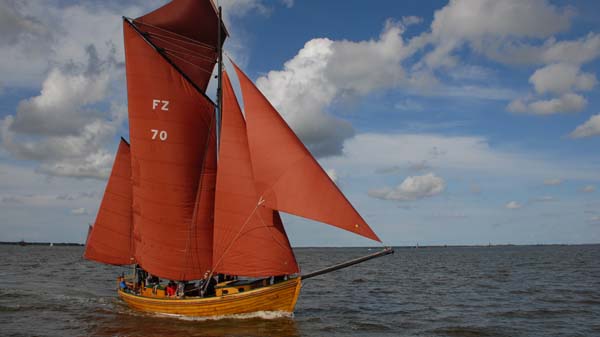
{"x":190,"y":40}
{"x":258,"y":204}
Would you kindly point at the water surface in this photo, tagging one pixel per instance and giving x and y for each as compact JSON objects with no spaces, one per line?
{"x":454,"y":291}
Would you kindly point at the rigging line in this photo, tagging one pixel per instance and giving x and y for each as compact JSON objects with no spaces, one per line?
{"x":271,"y":228}
{"x":159,"y":51}
{"x":188,"y":62}
{"x":170,"y":32}
{"x":174,"y":40}
{"x":190,"y":53}
{"x":260,"y":202}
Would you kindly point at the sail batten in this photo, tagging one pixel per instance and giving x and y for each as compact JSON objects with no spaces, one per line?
{"x":287,"y":176}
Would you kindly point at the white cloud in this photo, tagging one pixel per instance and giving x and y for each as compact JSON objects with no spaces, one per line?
{"x":561,"y":78}
{"x":332,"y":173}
{"x":389,"y":153}
{"x":489,"y":22}
{"x":60,"y":107}
{"x":569,"y":102}
{"x":588,"y":189}
{"x":513,"y":205}
{"x":325,"y":70}
{"x":553,"y":182}
{"x":79,"y":211}
{"x":590,"y":128}
{"x":411,"y":20}
{"x":288,"y":3}
{"x":575,"y":52}
{"x":412,"y":188}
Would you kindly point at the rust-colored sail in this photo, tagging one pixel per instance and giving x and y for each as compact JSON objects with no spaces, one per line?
{"x":199,"y":253}
{"x":287,"y":176}
{"x":186,"y":32}
{"x":170,"y":125}
{"x":249,"y":238}
{"x":109,"y":240}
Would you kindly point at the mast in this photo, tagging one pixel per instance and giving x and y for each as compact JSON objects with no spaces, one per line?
{"x":219,"y":80}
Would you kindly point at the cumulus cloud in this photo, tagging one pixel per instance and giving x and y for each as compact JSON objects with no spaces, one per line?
{"x":411,"y":20}
{"x":576,"y":52}
{"x":513,"y":205}
{"x":590,"y":128}
{"x":392,"y":153}
{"x":569,"y":102}
{"x":412,"y":188}
{"x":511,"y":32}
{"x":288,"y":3}
{"x":325,"y":70}
{"x":332,"y":173}
{"x":79,"y":211}
{"x":588,"y":189}
{"x":553,"y":182}
{"x":485,"y":23}
{"x":561,"y":78}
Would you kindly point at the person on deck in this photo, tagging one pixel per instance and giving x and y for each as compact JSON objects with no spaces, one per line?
{"x":122,"y":283}
{"x":171,"y":289}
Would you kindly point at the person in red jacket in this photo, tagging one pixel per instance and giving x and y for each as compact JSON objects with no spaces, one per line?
{"x":171,"y":289}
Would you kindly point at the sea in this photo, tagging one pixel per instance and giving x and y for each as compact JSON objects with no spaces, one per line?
{"x":428,"y":291}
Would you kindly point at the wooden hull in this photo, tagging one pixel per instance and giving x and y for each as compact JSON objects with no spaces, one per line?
{"x":278,"y":297}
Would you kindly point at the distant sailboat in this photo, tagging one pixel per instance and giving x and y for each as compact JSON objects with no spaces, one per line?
{"x":174,"y":210}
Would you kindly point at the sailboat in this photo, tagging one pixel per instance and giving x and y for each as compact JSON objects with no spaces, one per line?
{"x":196,"y":195}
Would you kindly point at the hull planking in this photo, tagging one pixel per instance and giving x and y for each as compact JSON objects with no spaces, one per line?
{"x":278,"y":297}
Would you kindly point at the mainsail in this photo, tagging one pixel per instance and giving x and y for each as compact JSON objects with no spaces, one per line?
{"x":109,"y":240}
{"x":170,"y":126}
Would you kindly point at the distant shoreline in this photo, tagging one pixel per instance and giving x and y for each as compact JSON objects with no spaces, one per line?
{"x":26,"y":243}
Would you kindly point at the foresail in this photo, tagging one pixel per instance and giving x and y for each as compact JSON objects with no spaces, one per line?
{"x":170,"y":125}
{"x":186,"y":33}
{"x":109,"y":240}
{"x":287,"y":176}
{"x":249,"y":238}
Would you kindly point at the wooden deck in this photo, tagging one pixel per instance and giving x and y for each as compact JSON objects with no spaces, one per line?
{"x":278,"y":297}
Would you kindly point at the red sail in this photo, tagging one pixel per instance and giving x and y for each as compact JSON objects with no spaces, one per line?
{"x":170,"y":125}
{"x":186,"y":32}
{"x":200,"y":253}
{"x":249,"y":238}
{"x":287,"y":176}
{"x":109,"y":240}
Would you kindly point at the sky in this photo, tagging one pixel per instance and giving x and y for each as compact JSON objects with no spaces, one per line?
{"x":461,"y":122}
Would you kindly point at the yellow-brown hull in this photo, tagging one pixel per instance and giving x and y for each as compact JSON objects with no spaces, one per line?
{"x":278,"y":297}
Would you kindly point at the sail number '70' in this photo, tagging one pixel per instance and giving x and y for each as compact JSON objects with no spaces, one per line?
{"x":164,"y":106}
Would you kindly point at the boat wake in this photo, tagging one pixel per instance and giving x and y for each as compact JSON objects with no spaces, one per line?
{"x":267,"y":315}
